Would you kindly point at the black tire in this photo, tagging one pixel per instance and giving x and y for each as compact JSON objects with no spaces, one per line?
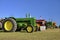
{"x":14,"y":27}
{"x":36,"y":29}
{"x":27,"y":29}
{"x":0,"y":25}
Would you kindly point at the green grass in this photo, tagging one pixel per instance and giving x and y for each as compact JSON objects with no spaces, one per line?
{"x":49,"y":34}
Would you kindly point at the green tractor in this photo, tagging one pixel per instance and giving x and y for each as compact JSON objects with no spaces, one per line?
{"x":12,"y":24}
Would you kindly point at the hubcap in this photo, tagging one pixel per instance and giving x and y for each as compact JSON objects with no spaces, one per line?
{"x":29,"y":29}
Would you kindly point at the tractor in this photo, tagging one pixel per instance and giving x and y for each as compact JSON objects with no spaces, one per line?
{"x":11,"y":24}
{"x":51,"y":24}
{"x":40,"y":23}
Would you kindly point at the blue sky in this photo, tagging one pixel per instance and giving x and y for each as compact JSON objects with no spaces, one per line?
{"x":18,"y":8}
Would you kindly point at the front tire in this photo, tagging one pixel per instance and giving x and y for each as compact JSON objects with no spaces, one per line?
{"x":29,"y":29}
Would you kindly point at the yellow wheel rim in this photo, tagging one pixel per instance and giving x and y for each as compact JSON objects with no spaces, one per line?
{"x":8,"y":25}
{"x":29,"y":29}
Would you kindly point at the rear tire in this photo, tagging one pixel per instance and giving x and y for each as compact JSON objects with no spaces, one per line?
{"x":9,"y":25}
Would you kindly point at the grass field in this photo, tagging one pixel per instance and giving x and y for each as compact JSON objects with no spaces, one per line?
{"x":49,"y":34}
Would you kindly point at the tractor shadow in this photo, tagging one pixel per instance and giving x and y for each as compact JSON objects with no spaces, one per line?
{"x":22,"y":31}
{"x":1,"y":30}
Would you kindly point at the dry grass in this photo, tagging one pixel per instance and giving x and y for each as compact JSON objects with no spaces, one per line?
{"x":49,"y":34}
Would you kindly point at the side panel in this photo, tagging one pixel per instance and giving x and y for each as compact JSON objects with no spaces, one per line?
{"x":26,"y":21}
